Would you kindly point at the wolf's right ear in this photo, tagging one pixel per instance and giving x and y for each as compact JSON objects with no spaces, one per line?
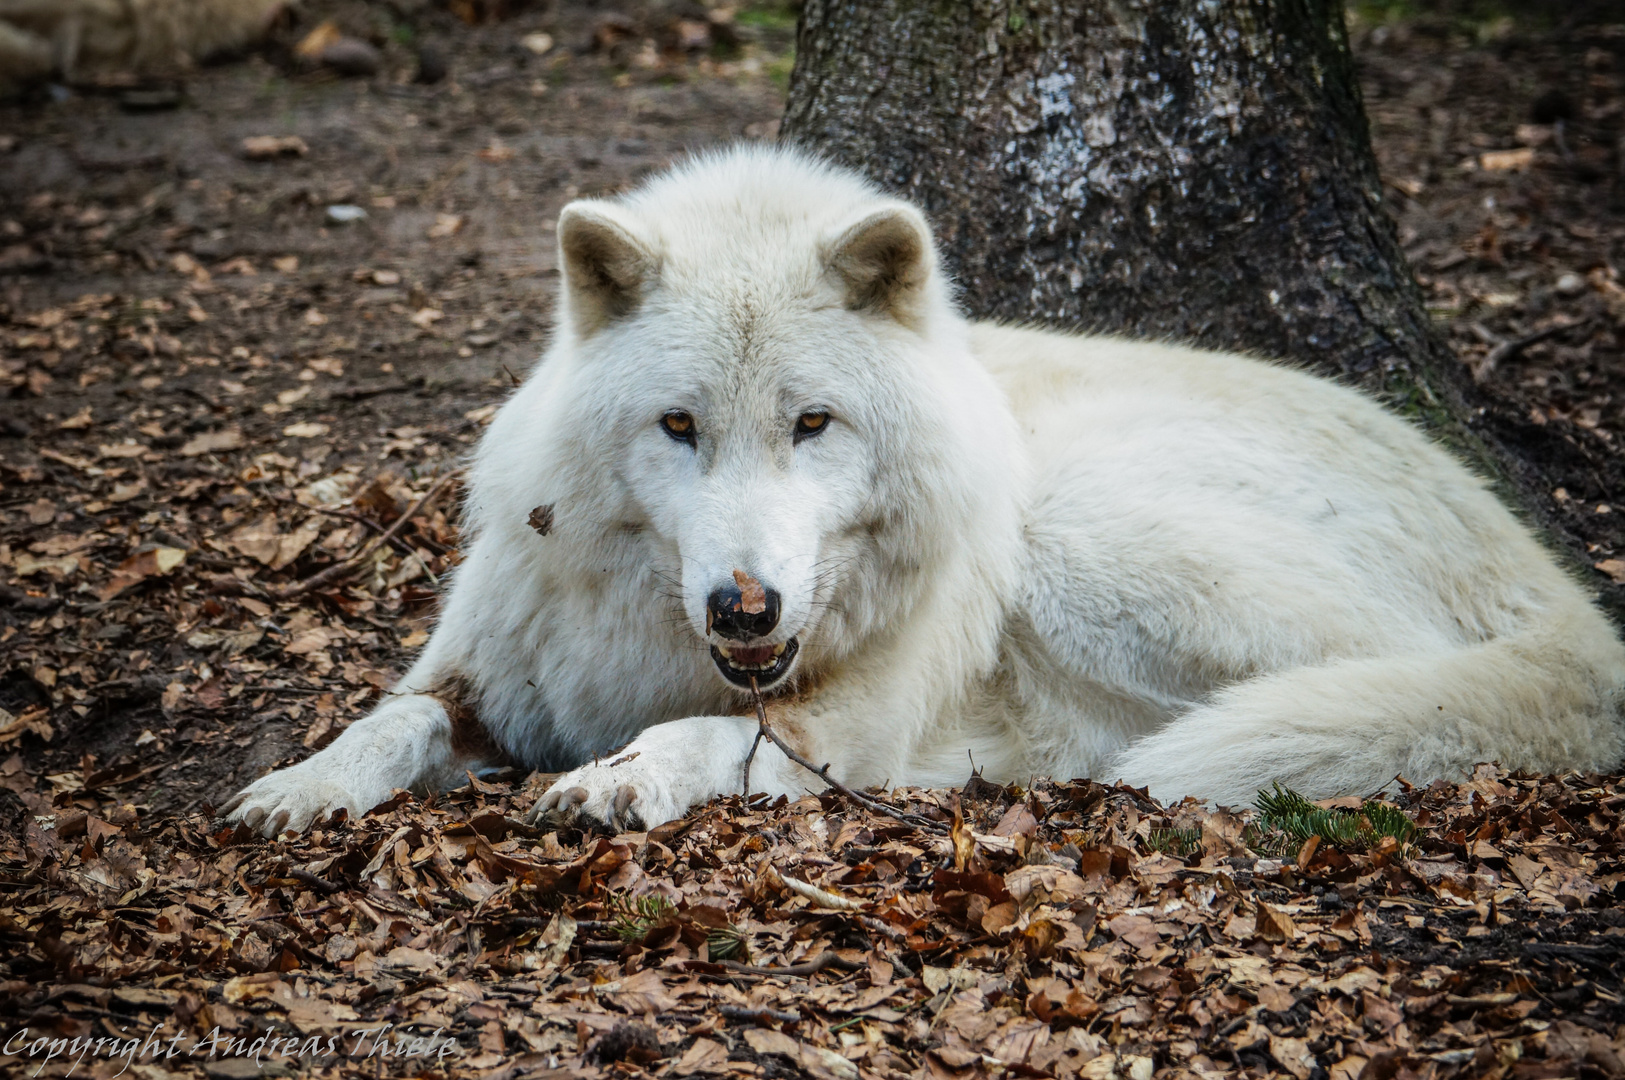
{"x":885,"y":260}
{"x":607,"y":268}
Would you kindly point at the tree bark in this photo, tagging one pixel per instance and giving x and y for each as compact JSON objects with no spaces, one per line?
{"x":1187,"y":170}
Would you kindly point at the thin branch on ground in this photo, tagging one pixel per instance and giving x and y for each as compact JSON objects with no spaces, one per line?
{"x":314,"y":881}
{"x":285,"y":914}
{"x":764,"y":730}
{"x":826,"y":959}
{"x":759,"y":1015}
{"x":348,"y":565}
{"x":1511,"y":349}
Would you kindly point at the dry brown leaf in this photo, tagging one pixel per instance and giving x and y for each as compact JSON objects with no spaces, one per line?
{"x":269,"y":147}
{"x":1293,"y":1055}
{"x":752,"y":597}
{"x":1275,"y":927}
{"x":264,"y":542}
{"x":154,"y":562}
{"x":311,"y":46}
{"x":210,"y":442}
{"x":705,"y":1055}
{"x":1507,"y":160}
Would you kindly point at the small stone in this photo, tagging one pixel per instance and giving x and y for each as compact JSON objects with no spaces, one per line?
{"x":158,"y":100}
{"x":352,"y":56}
{"x":1570,"y":284}
{"x":432,"y":65}
{"x":344,"y":213}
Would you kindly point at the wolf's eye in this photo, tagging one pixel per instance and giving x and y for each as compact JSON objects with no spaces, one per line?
{"x":679,"y":425}
{"x":809,"y":424}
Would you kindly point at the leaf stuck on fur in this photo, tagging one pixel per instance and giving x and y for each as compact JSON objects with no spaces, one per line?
{"x":752,"y":597}
{"x":541,"y":519}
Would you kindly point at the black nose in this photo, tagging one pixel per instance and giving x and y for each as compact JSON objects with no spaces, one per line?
{"x":726,"y":610}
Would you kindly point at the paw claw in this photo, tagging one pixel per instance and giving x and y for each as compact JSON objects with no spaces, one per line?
{"x":290,"y":799}
{"x":606,"y":799}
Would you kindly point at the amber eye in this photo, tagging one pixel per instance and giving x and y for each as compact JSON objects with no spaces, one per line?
{"x":679,"y":425}
{"x":809,"y":424}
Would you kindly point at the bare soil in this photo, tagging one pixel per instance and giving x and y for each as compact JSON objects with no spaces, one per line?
{"x":1502,"y":148}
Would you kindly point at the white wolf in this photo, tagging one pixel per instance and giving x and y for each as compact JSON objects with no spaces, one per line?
{"x":771,"y":447}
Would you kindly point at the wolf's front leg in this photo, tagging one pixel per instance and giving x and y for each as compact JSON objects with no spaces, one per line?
{"x":668,"y":769}
{"x":406,"y":743}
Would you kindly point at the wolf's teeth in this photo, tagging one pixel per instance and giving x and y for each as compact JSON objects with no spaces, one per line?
{"x":778,"y":650}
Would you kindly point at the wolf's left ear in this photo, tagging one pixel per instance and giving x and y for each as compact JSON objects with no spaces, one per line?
{"x":885,"y":260}
{"x":607,"y":267}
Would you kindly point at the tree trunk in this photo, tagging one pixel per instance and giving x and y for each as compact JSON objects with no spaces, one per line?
{"x":1177,"y":169}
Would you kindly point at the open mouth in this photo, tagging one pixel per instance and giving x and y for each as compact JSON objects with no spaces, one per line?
{"x":767,"y":664}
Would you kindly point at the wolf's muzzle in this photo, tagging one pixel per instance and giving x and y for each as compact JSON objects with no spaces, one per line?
{"x":726,"y":614}
{"x":744,"y":613}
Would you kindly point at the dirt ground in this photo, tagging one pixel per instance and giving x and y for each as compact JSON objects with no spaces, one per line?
{"x":229,"y":436}
{"x":1502,"y":148}
{"x":190,"y":340}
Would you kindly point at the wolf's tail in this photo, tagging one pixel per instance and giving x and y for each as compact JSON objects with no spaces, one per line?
{"x":1545,"y":700}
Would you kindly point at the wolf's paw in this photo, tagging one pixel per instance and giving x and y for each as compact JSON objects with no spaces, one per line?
{"x":604,"y":796}
{"x":665,"y":771}
{"x":290,"y":798}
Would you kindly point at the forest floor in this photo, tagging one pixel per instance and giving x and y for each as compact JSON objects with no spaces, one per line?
{"x":215,"y":390}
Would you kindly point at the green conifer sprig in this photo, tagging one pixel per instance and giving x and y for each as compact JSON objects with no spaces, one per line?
{"x":1286,"y":820}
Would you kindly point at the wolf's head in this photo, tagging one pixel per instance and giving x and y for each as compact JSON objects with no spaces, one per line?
{"x":762,"y":381}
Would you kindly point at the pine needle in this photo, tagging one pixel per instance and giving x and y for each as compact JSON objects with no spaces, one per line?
{"x":1286,"y":820}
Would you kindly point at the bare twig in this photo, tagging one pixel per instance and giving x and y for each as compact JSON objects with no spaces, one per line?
{"x":345,"y":567}
{"x":329,"y":510}
{"x":301,"y":874}
{"x":1511,"y":349}
{"x":286,"y":914}
{"x":761,"y":726}
{"x":1380,"y":790}
{"x":883,"y":928}
{"x":759,"y":1015}
{"x":349,"y":515}
{"x":825,"y":959}
{"x":583,"y":926}
{"x":764,"y":730}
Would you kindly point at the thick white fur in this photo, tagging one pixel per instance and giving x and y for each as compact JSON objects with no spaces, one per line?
{"x":1066,"y":555}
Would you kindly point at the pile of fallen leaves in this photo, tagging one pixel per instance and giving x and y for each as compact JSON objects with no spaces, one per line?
{"x":174,"y":570}
{"x":1062,"y":930}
